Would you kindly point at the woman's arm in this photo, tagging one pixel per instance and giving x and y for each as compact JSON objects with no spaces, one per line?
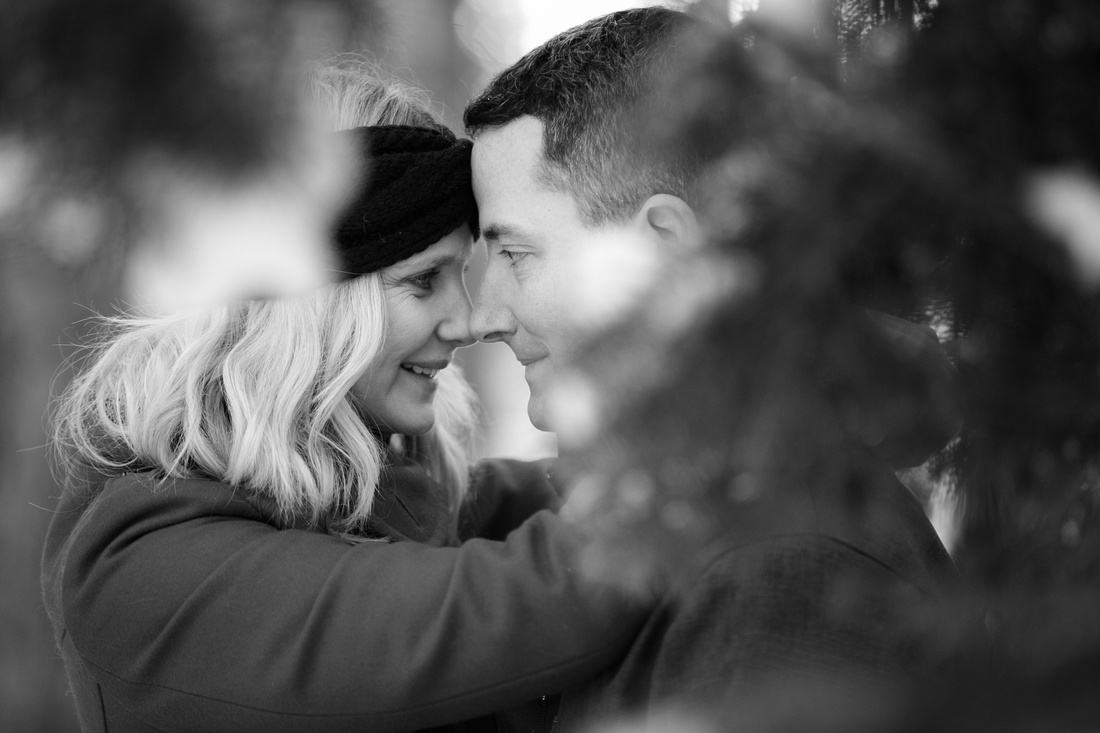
{"x":190,"y":610}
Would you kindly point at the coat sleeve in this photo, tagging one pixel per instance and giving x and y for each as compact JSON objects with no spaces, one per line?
{"x":503,"y":493}
{"x":197,"y":615}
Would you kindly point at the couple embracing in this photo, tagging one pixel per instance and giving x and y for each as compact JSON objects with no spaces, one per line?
{"x":270,"y":520}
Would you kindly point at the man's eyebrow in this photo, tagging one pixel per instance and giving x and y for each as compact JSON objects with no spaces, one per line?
{"x":495,"y":232}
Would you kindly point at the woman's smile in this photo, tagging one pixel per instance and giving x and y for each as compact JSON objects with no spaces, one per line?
{"x":422,"y":370}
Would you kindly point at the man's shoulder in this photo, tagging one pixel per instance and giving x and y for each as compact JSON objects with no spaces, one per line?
{"x":801,"y":578}
{"x":915,"y":558}
{"x":792,"y":603}
{"x":819,"y":586}
{"x":866,"y":519}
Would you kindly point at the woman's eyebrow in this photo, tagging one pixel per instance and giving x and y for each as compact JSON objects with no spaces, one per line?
{"x":440,"y":260}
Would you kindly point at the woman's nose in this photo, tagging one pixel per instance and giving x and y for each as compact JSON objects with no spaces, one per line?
{"x":454,"y":328}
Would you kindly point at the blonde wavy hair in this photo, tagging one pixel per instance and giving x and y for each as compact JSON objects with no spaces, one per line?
{"x":257,"y":394}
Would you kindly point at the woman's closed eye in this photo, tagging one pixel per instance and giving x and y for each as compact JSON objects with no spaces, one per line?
{"x":423,"y":281}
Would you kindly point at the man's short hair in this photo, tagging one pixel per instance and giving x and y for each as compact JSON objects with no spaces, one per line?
{"x":593,"y":87}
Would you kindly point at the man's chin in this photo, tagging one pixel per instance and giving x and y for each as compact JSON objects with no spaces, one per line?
{"x":538,"y":414}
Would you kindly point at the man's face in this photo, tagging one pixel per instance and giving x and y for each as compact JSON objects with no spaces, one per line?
{"x":534,"y":236}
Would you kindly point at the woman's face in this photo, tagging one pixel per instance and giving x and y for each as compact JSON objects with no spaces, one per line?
{"x":427,"y":314}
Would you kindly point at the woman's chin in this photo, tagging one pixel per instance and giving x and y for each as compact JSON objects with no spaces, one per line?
{"x":415,"y":424}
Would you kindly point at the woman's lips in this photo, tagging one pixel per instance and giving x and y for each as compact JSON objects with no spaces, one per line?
{"x":428,"y":370}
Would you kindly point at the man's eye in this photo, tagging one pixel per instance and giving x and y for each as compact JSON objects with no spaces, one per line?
{"x":513,"y":256}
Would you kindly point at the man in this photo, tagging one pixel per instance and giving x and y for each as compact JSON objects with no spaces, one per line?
{"x":552,"y":171}
{"x":555,"y":168}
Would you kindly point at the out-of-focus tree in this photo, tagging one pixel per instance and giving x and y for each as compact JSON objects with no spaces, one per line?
{"x":1008,"y":91}
{"x":936,"y":161}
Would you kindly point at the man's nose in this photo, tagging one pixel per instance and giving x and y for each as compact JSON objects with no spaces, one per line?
{"x":491,"y":319}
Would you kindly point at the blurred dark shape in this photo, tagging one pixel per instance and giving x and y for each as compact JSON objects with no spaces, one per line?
{"x":212,"y":82}
{"x":1009,"y":90}
{"x":99,"y":82}
{"x":92,"y":94}
{"x":888,"y":170}
{"x":1022,"y":99}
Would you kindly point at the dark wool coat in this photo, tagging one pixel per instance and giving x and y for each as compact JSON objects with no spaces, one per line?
{"x":182,"y":607}
{"x":823,"y":606}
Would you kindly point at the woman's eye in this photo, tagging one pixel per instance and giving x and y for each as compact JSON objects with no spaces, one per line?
{"x":424,"y":280}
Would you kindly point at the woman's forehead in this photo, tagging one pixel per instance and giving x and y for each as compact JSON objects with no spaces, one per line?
{"x":455,"y":247}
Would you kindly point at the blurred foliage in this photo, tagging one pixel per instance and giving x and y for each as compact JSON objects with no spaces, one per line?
{"x":883,"y":156}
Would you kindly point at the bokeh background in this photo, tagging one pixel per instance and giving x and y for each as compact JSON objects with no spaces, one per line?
{"x":934,"y":158}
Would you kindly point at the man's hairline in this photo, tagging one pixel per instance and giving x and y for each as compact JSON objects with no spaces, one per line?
{"x":549,"y":173}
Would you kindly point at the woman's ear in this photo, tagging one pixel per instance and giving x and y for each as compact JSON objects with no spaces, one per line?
{"x":671,"y":221}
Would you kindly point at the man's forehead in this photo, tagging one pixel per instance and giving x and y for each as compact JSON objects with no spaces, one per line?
{"x":515,"y":200}
{"x":512,"y":151}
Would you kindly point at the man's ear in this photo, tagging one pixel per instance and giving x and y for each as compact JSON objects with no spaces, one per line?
{"x":671,"y":221}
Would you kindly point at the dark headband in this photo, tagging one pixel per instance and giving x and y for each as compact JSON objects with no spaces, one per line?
{"x":415,"y":189}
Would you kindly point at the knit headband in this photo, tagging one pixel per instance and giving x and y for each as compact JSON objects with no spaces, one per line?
{"x":414,"y":191}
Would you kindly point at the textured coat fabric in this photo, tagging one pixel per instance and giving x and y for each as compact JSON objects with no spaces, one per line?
{"x":181,"y":607}
{"x":829,"y":596}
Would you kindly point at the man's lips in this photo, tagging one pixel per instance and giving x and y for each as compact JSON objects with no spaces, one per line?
{"x":528,"y":360}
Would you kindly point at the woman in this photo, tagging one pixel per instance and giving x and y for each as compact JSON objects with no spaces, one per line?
{"x":264,"y":504}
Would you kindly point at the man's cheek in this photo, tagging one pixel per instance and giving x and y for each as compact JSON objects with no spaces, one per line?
{"x":612,"y":275}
